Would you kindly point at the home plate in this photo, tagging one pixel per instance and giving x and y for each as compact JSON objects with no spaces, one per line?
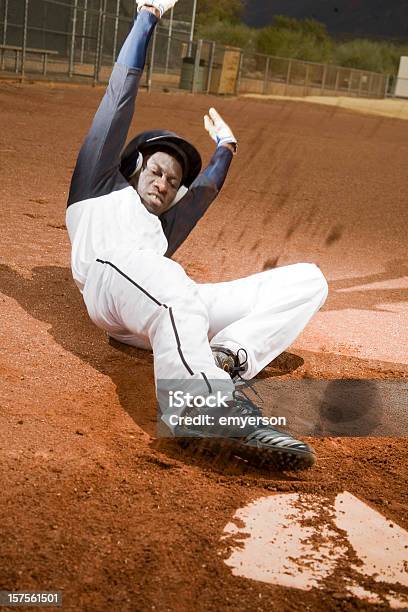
{"x":306,"y":541}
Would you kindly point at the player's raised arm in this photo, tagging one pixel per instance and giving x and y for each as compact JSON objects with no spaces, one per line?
{"x":97,"y":168}
{"x":179,"y":221}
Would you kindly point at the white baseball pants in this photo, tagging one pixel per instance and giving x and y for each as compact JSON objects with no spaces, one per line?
{"x":148,"y":301}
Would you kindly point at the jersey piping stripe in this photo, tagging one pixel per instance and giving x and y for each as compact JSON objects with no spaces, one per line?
{"x":206,"y":382}
{"x":108,"y":263}
{"x":189,"y":370}
{"x":173,"y":323}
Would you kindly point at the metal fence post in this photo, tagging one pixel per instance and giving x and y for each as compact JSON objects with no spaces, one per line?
{"x":72,"y":47}
{"x":394,"y":83}
{"x":336,"y":84}
{"x":196,"y":73}
{"x":84,"y":20}
{"x":239,"y":76}
{"x":324,"y":76}
{"x":266,"y":76}
{"x":374,"y":89}
{"x":350,"y":80}
{"x":381,"y":86}
{"x":4,"y":32}
{"x":115,"y":35}
{"x":386,"y":85}
{"x":25,"y":27}
{"x":5,"y":21}
{"x":98,"y":44}
{"x":102,"y":40}
{"x":170,"y":32}
{"x":210,"y":67}
{"x":151,"y":63}
{"x":307,"y":75}
{"x":359,"y":83}
{"x":370,"y":85}
{"x":288,"y":76}
{"x":193,"y":19}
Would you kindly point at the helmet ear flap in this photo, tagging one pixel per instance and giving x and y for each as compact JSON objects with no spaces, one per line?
{"x":180,"y":194}
{"x":139,"y":165}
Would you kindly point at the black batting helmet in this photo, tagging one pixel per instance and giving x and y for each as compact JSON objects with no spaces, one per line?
{"x":142,"y":144}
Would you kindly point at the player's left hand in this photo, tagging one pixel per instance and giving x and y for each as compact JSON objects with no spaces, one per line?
{"x":218,"y":129}
{"x":160,"y":5}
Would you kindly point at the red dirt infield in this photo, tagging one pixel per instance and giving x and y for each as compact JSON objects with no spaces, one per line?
{"x":92,"y":503}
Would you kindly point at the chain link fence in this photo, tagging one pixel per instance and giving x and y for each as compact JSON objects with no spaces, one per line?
{"x":80,"y":39}
{"x":76,"y":38}
{"x":267,"y":75}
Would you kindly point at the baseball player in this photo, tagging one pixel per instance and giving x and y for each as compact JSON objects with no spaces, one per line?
{"x":129,"y":209}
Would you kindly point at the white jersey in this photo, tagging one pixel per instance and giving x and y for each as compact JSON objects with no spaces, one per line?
{"x":114,"y":221}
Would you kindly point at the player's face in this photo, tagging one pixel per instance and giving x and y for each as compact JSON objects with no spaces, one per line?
{"x":159,"y":181}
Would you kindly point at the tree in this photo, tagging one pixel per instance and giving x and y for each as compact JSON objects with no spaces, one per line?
{"x":301,"y":39}
{"x":212,"y":11}
{"x":368,"y":55}
{"x":306,"y":26}
{"x":230,"y":34}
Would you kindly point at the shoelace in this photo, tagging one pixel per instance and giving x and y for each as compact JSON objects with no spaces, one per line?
{"x":245,"y":405}
{"x":240,"y":367}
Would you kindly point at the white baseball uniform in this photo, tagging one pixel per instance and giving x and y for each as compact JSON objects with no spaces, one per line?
{"x":121,"y":257}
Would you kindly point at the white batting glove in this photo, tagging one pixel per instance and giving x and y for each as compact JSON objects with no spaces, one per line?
{"x":160,"y":5}
{"x":218,"y":129}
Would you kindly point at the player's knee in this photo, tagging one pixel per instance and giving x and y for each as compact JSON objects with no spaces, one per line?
{"x":312,"y":274}
{"x":181,"y":290}
{"x":323,"y":287}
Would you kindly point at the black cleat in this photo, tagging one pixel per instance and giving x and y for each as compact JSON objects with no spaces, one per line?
{"x":254,"y":442}
{"x":281,"y":450}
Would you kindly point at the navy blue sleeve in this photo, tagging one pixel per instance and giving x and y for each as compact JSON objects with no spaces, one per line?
{"x":97,"y":169}
{"x":180,"y":220}
{"x":218,"y":167}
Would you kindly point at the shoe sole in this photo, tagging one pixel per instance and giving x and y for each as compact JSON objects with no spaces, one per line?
{"x":281,"y":459}
{"x":260,"y":455}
